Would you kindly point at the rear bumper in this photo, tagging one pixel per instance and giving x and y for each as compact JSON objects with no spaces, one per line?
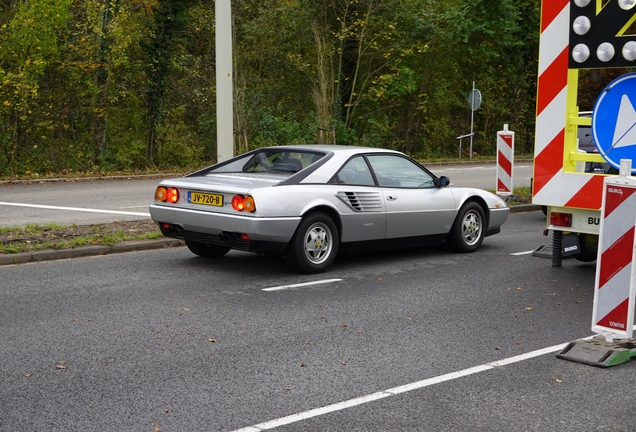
{"x":265,"y":234}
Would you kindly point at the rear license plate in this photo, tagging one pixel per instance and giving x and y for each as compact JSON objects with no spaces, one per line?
{"x":207,"y":199}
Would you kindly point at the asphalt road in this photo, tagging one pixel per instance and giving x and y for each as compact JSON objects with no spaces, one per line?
{"x":92,"y":202}
{"x":162,"y":340}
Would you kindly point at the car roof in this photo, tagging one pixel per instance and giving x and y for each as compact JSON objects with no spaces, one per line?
{"x":334,"y":148}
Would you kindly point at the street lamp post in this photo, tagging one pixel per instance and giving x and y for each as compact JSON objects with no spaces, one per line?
{"x":224,"y":79}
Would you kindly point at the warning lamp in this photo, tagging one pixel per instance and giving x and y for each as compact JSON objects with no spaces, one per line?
{"x":248,"y":204}
{"x":626,"y":4}
{"x":238,"y":203}
{"x":561,"y":219}
{"x":581,"y":53}
{"x":582,"y":3}
{"x":629,"y":51}
{"x":161,"y":194}
{"x":605,"y":52}
{"x":172,"y":195}
{"x":581,"y":25}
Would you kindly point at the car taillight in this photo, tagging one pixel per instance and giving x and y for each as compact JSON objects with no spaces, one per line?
{"x":161,"y":194}
{"x":249,"y":204}
{"x":242,"y":203}
{"x":238,"y":202}
{"x":561,"y":219}
{"x":172,"y":195}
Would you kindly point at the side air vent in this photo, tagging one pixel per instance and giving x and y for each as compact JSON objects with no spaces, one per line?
{"x":362,"y":201}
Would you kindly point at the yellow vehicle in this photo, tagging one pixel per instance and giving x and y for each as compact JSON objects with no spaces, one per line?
{"x":571,"y":40}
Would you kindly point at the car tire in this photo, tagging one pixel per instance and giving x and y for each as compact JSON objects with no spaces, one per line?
{"x":314,"y":246}
{"x":469,"y":228}
{"x":206,"y":250}
{"x":588,"y":247}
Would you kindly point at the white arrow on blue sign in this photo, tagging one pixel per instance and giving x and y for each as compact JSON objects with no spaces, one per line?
{"x":614,"y":121}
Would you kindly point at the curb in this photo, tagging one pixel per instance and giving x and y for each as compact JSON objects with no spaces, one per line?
{"x":86,"y":251}
{"x":524,"y":208}
{"x":88,"y":179}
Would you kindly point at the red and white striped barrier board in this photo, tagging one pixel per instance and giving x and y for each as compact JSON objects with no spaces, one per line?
{"x":505,"y":160}
{"x":613,"y":314}
{"x":551,"y":185}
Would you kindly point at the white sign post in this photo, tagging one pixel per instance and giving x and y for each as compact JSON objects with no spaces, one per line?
{"x":474,"y":100}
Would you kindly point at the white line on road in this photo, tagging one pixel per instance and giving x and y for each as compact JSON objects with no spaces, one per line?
{"x":397,"y":390}
{"x":137,"y":206}
{"x":283,"y":287}
{"x":466,"y":168}
{"x":463,"y":169}
{"x":522,"y":253}
{"x":77,"y":209}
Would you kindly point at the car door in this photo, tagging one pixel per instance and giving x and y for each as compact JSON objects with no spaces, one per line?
{"x":414,"y":205}
{"x":356,"y":188}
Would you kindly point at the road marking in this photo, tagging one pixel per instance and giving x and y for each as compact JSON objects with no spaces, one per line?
{"x":522,"y":253}
{"x":475,"y":168}
{"x":284,"y":287}
{"x":137,"y":206}
{"x":77,"y":209}
{"x":398,"y":390}
{"x":466,"y":169}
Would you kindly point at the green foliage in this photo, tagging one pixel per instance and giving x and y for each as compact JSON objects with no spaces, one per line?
{"x":124,"y":84}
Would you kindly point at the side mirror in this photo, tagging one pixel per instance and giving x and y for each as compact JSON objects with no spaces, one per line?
{"x":442,"y":181}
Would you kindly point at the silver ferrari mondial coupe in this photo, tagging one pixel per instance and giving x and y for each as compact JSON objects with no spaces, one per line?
{"x":309,"y":202}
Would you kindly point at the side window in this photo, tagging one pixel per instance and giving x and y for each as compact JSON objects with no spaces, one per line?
{"x":395,"y":171}
{"x":355,"y":172}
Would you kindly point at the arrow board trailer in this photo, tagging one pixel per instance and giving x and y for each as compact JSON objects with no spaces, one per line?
{"x":575,"y":35}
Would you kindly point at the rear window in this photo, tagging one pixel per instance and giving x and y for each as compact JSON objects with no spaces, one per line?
{"x":272,"y":161}
{"x":280,"y":161}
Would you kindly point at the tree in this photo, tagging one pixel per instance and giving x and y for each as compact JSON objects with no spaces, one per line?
{"x":169,"y":20}
{"x":28,"y":46}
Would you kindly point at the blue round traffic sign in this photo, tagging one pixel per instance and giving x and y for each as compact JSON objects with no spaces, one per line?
{"x":614,"y":121}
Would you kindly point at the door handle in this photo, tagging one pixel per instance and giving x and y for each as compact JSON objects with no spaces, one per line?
{"x":391,"y":198}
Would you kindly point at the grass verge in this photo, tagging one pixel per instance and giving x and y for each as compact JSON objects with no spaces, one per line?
{"x":53,"y":236}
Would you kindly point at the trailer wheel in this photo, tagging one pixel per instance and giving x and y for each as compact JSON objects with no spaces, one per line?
{"x":588,"y":245}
